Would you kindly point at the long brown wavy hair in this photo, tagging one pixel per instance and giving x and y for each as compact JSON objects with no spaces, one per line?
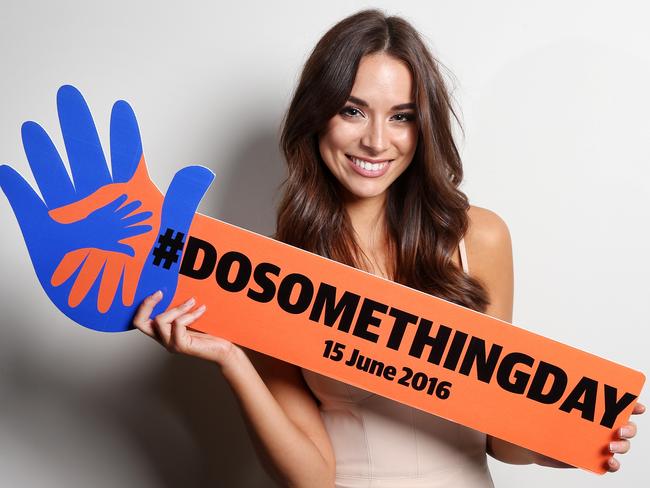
{"x":426,"y":213}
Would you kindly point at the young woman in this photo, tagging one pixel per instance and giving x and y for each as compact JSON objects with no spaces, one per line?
{"x":373,"y":176}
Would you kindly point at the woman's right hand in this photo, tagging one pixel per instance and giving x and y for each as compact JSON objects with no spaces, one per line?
{"x":170,"y":329}
{"x":283,"y":417}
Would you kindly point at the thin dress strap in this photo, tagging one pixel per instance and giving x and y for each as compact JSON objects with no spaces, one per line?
{"x":463,"y":255}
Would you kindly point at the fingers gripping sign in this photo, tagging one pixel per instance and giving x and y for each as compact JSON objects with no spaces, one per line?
{"x":621,"y":444}
{"x":161,"y":326}
{"x":170,"y":329}
{"x":91,"y":236}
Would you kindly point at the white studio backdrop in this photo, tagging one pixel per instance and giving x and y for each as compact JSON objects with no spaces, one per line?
{"x":554,"y":99}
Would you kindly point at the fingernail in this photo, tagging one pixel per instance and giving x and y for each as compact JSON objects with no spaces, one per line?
{"x":613,"y":446}
{"x":624,"y":432}
{"x":201,"y":309}
{"x":157,"y":295}
{"x":190,"y":302}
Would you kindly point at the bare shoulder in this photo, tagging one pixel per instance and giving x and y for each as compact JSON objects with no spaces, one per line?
{"x":486,"y":229}
{"x":489,"y":253}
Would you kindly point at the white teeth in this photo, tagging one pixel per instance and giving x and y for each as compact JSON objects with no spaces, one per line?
{"x":368,"y":166}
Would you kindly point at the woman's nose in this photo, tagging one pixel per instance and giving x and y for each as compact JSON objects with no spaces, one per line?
{"x":374,"y":139}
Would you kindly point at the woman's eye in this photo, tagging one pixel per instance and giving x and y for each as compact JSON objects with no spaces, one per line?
{"x":350,"y":111}
{"x":405,"y":117}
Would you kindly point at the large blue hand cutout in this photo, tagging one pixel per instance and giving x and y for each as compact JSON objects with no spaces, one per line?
{"x":110,"y":222}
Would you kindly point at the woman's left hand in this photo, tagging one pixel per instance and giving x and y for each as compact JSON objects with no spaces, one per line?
{"x":619,"y":446}
{"x":622,"y":445}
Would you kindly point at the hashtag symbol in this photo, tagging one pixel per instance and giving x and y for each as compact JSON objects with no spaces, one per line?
{"x":169,"y":247}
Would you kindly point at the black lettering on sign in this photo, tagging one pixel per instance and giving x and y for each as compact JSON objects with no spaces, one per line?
{"x":504,"y":373}
{"x":540,"y":379}
{"x":485,"y":363}
{"x":260,"y":275}
{"x":325,"y":302}
{"x":366,"y":319}
{"x":304,"y":297}
{"x":390,"y":372}
{"x":614,"y":407}
{"x":402,"y":319}
{"x":423,"y":338}
{"x":194,"y":246}
{"x":587,"y":389}
{"x":455,"y":350}
{"x":244,"y":269}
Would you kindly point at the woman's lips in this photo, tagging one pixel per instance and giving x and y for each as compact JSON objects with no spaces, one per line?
{"x":367,"y":168}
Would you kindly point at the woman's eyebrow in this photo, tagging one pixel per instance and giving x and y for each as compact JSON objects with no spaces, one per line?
{"x":363,"y":103}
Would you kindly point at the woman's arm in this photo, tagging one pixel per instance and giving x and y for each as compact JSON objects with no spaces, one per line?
{"x":279,"y":410}
{"x":489,"y":250}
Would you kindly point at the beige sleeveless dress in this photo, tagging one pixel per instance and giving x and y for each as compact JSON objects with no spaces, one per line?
{"x":380,"y":443}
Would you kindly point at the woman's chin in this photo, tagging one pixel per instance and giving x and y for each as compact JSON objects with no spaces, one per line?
{"x":370,"y":192}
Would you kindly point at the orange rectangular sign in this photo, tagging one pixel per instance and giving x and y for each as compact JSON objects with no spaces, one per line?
{"x":412,"y":347}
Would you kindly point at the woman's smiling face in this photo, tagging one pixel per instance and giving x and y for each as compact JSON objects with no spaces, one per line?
{"x":372,"y":140}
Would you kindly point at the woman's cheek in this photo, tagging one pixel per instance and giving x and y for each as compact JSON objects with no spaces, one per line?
{"x":344,"y":133}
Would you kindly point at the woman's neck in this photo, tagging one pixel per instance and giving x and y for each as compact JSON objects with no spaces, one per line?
{"x":367,"y":216}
